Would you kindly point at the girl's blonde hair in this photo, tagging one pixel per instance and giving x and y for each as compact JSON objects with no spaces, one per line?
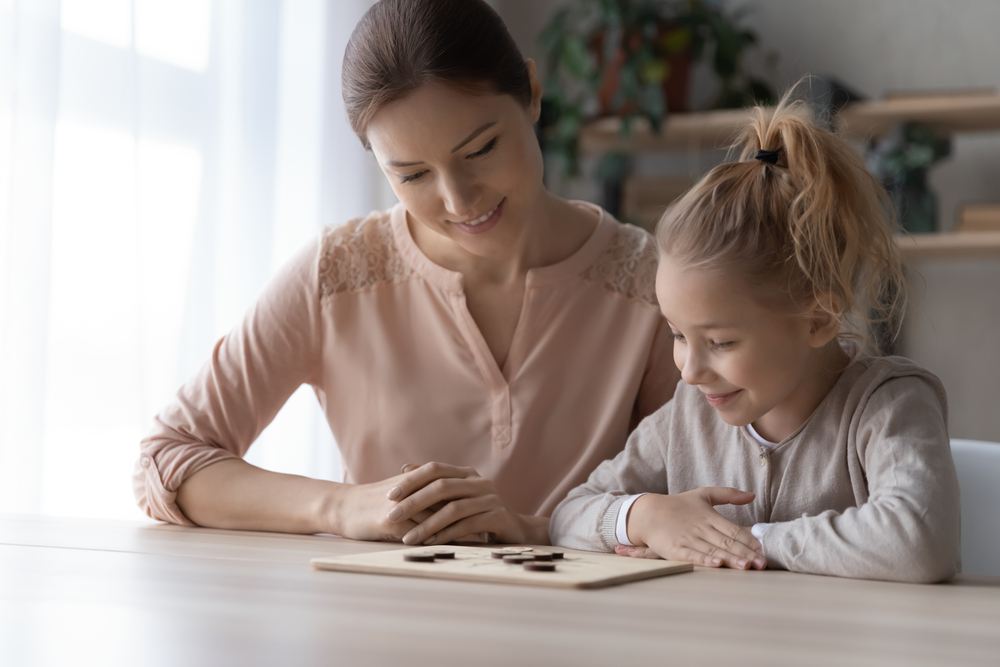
{"x":813,"y":225}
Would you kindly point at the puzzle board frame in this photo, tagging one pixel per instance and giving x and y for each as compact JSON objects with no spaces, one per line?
{"x":577,"y":569}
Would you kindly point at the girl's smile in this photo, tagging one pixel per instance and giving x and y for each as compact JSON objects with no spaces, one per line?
{"x":717,"y":401}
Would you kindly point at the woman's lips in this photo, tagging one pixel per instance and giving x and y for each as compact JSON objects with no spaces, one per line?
{"x":718,"y":400}
{"x":486,"y":225}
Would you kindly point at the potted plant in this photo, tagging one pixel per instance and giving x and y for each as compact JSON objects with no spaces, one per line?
{"x":632,"y":59}
{"x":902,"y":160}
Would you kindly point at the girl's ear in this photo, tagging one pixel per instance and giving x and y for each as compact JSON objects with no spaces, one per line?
{"x":824,"y":320}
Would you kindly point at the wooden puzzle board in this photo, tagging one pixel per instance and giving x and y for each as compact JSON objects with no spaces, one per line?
{"x":574,"y":570}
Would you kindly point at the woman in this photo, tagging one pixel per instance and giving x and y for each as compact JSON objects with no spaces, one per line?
{"x":496,"y":341}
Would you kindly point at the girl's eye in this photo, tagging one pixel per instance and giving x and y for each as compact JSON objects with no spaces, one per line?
{"x":486,"y":149}
{"x":722,"y":346}
{"x":677,"y":337}
{"x":411,"y":177}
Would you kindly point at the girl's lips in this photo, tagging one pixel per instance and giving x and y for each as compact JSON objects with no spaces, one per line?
{"x":718,"y":400}
{"x":486,"y":225}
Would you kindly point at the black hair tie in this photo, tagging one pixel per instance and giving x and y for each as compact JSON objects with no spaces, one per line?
{"x":770,"y":157}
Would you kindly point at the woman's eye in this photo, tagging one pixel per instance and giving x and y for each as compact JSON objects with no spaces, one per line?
{"x":485,"y":149}
{"x":411,"y":177}
{"x":722,"y":346}
{"x":677,"y":337}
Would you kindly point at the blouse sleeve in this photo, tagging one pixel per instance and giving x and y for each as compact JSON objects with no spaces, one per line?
{"x":661,"y":376}
{"x":252,"y":372}
{"x":587,"y":517}
{"x":909,"y":528}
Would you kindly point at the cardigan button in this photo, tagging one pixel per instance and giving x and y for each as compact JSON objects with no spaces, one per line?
{"x":144,"y":461}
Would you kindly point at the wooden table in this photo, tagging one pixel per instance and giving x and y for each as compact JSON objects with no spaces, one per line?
{"x":76,"y":592}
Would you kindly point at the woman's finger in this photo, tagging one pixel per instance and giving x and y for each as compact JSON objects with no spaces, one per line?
{"x":417,"y":478}
{"x":439,"y":492}
{"x":451,"y":513}
{"x":484,"y":522}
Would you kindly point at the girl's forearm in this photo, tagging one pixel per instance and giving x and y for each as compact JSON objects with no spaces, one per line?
{"x":236,"y":495}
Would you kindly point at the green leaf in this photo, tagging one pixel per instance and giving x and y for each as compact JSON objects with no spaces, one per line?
{"x":575,"y":56}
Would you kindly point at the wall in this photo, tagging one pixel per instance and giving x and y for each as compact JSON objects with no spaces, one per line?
{"x":875,"y":46}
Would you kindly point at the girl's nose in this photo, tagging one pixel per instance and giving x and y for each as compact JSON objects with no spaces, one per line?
{"x":695,"y":370}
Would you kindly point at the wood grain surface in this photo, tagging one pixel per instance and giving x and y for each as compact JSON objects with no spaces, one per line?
{"x":75,"y":592}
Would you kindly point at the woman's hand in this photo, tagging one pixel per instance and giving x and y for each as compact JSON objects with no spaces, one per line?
{"x":460,"y":503}
{"x":686,"y":527}
{"x":363,"y":508}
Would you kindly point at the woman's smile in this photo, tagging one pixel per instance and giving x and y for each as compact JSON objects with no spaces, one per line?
{"x":483,"y":223}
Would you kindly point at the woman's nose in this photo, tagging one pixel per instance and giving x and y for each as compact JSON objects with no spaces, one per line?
{"x":460,"y":197}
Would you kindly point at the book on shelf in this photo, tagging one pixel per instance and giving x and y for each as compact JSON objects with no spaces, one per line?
{"x":979,"y":218}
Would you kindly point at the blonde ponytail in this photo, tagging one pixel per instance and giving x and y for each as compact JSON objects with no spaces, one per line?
{"x":806,"y":218}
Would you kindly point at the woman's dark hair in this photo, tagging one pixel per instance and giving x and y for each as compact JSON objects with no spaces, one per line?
{"x":400,"y":45}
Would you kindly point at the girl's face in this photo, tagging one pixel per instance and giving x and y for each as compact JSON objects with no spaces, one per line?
{"x":753,"y":364}
{"x":467,"y":167}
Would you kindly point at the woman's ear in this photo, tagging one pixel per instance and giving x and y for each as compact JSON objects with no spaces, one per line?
{"x":824,"y":320}
{"x":535,"y":108}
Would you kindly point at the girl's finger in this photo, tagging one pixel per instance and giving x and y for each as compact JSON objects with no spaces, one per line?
{"x":451,"y":513}
{"x":729,"y":537}
{"x":645,"y":552}
{"x":697,"y":557}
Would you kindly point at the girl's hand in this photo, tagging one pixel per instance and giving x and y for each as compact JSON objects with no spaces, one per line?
{"x":461,"y":504}
{"x":686,"y":527}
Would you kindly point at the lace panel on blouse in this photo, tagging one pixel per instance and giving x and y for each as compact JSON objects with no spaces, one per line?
{"x":359,"y":255}
{"x":628,"y":265}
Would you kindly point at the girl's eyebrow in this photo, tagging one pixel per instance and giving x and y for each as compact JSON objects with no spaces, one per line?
{"x":475,"y":133}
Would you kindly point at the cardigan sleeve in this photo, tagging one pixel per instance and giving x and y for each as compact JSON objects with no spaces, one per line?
{"x":908,"y":530}
{"x":252,"y":372}
{"x":587,"y":517}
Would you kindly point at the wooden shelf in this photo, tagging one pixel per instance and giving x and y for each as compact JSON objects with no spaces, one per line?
{"x":708,"y":129}
{"x":965,"y":245}
{"x":717,"y":129}
{"x":959,"y":113}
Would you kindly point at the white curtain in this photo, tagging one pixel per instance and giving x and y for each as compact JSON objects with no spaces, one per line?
{"x":159,"y":160}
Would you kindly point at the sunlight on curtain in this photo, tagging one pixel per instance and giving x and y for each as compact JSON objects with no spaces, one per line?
{"x":158,"y":162}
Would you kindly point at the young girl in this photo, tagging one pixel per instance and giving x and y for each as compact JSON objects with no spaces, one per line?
{"x":772,"y":271}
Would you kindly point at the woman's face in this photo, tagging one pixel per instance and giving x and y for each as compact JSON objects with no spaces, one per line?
{"x":467,"y":167}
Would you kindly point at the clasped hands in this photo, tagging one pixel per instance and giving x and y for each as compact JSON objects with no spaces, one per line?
{"x":686,"y":527}
{"x":436,"y":503}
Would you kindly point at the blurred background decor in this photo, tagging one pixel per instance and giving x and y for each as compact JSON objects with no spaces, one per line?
{"x":902,"y":160}
{"x":632,"y":59}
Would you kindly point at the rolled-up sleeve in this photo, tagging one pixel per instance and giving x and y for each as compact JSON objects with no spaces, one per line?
{"x":252,"y":372}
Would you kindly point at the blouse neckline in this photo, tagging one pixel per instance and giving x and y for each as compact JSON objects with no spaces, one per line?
{"x":452,"y":281}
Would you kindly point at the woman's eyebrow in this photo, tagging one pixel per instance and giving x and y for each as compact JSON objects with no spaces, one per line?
{"x":475,"y":133}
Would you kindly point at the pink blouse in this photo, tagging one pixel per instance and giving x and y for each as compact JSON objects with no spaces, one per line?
{"x":385,"y":339}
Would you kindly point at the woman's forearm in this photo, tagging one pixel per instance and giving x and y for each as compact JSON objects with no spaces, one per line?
{"x":236,"y":495}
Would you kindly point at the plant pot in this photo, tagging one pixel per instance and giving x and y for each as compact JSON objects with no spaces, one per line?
{"x":676,"y":84}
